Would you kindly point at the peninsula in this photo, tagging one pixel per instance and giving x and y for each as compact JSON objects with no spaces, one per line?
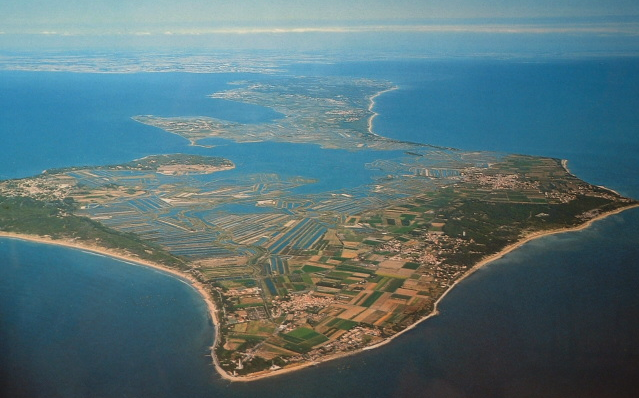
{"x":295,"y":278}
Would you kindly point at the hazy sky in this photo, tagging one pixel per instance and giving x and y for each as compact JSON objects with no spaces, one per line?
{"x":158,"y":18}
{"x":99,"y":16}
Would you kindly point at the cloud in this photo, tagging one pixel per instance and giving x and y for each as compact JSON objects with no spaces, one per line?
{"x":623,"y":28}
{"x":611,"y":28}
{"x":55,"y":33}
{"x":526,"y":29}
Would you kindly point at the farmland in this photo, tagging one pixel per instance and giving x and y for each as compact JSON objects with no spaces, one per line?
{"x":299,"y":277}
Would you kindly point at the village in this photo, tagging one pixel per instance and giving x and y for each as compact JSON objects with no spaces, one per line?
{"x":297,"y":275}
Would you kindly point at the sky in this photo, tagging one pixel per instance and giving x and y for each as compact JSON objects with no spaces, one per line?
{"x":86,"y":23}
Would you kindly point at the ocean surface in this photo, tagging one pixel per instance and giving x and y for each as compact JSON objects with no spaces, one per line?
{"x":557,"y":318}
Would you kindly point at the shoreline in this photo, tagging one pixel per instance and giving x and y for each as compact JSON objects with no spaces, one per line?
{"x":564,"y":165}
{"x":489,"y":259}
{"x":483,"y":262}
{"x":371,"y":105}
{"x":213,"y":311}
{"x":194,"y":283}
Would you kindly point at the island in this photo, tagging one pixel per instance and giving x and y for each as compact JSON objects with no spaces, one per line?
{"x":294,"y":278}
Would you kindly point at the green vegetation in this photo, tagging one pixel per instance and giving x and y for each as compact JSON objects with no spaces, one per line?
{"x":347,"y":268}
{"x":393,"y":285}
{"x":343,"y":324}
{"x":152,"y":163}
{"x":54,"y":219}
{"x":411,"y":265}
{"x":352,"y":268}
{"x":370,"y":300}
{"x":155,"y":161}
{"x":303,"y":339}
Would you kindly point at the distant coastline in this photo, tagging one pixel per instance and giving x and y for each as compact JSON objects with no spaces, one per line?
{"x":371,"y":105}
{"x":213,"y":311}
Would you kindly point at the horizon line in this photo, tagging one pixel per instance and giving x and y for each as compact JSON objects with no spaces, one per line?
{"x":570,"y":27}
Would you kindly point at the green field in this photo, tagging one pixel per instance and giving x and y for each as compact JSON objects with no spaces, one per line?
{"x":313,"y":268}
{"x":370,"y":300}
{"x":411,"y":265}
{"x":344,"y":324}
{"x":303,"y":339}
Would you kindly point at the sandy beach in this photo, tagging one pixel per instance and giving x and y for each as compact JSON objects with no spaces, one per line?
{"x":497,"y":256}
{"x":197,"y":285}
{"x":435,"y":311}
{"x":206,"y":294}
{"x":371,"y":105}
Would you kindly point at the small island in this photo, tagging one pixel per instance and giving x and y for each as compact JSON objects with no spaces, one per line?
{"x":293,"y":279}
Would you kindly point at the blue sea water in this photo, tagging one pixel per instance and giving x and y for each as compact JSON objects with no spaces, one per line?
{"x":69,"y":119}
{"x":76,"y":119}
{"x":75,"y":324}
{"x":558,"y":317}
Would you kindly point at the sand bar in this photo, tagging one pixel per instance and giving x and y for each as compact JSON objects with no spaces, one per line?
{"x":371,"y":105}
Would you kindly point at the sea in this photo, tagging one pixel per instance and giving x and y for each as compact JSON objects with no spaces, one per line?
{"x":558,"y":317}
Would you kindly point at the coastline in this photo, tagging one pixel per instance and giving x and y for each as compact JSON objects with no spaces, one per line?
{"x":371,"y":105}
{"x":197,"y":285}
{"x":212,"y":309}
{"x":564,"y":165}
{"x":485,"y":261}
{"x":489,"y":259}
